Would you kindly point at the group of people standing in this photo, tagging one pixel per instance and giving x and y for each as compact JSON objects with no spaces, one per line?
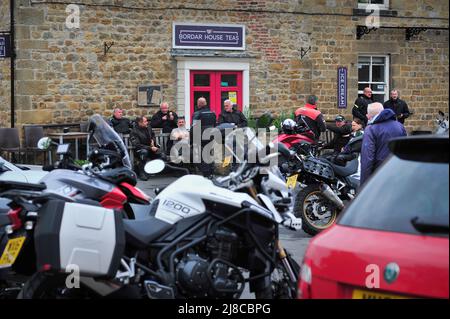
{"x":378,"y":123}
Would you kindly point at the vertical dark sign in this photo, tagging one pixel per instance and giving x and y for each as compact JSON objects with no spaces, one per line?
{"x":5,"y":46}
{"x":342,"y":87}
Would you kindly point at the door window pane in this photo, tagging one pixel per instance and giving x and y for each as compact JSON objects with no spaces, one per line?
{"x":201,"y":80}
{"x":199,"y":94}
{"x":228,"y":80}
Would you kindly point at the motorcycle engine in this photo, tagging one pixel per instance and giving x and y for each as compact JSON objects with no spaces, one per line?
{"x":214,"y":276}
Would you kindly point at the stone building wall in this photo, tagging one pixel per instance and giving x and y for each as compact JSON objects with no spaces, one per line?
{"x":5,"y":75}
{"x":63,"y":76}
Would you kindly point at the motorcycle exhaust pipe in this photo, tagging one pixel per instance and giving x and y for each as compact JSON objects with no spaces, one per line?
{"x":331,"y":196}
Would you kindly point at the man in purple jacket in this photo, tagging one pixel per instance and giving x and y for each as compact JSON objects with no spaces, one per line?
{"x":382,"y":127}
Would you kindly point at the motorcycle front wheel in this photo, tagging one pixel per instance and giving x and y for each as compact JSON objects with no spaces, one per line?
{"x":316,"y":211}
{"x":281,"y":286}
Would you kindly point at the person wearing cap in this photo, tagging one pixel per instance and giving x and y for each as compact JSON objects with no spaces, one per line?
{"x":310,"y":116}
{"x":342,"y":134}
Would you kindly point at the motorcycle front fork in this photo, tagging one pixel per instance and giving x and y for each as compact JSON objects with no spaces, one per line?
{"x":285,"y":262}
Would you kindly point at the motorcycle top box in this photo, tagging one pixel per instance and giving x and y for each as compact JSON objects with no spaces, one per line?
{"x":71,"y":236}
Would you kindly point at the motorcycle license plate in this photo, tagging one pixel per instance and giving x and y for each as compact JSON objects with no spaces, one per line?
{"x":292,"y":181}
{"x":226,"y":161}
{"x":12,"y":250}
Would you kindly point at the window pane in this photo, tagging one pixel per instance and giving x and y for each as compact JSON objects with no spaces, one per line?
{"x":378,"y":73}
{"x":364,"y":59}
{"x":427,"y":181}
{"x":378,"y":88}
{"x":362,"y":86}
{"x":378,"y":60}
{"x":199,"y":94}
{"x":363,"y":73}
{"x":201,"y":80}
{"x":378,"y":98}
{"x":228,"y":80}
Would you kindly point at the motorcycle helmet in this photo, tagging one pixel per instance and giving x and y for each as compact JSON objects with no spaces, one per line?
{"x":288,"y":126}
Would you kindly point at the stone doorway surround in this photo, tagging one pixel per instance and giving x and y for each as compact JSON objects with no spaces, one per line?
{"x":187,"y":63}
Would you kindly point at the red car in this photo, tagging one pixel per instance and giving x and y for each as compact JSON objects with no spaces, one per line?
{"x":393,"y":240}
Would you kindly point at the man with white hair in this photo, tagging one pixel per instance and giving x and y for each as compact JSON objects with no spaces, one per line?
{"x":229,"y":115}
{"x":382,"y":127}
{"x":164,"y":118}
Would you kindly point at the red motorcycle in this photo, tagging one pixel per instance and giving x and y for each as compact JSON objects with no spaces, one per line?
{"x":299,"y":138}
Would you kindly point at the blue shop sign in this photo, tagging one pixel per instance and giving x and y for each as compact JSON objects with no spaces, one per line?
{"x":342,"y":87}
{"x":211,"y":36}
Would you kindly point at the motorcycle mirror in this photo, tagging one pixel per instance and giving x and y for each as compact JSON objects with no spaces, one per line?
{"x":44,"y":143}
{"x":154,"y":167}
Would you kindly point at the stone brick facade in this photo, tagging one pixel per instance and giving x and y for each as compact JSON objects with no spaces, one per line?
{"x":63,"y":75}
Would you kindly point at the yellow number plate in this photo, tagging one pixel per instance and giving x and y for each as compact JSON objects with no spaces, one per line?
{"x":292,"y":181}
{"x":226,"y":161}
{"x":366,"y":294}
{"x":11,"y":252}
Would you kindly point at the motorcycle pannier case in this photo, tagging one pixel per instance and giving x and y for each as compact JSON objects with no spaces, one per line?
{"x":87,"y":238}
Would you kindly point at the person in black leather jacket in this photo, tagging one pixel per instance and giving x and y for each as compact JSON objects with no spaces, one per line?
{"x":143,"y":140}
{"x":120,"y":124}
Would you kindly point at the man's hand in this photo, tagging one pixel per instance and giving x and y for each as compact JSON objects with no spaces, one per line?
{"x":154,"y":149}
{"x":164,"y":117}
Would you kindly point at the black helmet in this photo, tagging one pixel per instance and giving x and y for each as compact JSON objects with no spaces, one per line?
{"x":339,"y":118}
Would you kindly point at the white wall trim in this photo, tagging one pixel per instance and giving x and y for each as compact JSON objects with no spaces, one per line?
{"x":186,"y":64}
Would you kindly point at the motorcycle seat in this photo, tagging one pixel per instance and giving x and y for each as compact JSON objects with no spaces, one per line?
{"x":349,"y":169}
{"x":141,"y":232}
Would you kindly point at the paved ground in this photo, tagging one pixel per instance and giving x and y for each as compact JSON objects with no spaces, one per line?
{"x":294,"y":242}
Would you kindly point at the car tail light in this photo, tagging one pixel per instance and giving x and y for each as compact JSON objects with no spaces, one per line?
{"x":13,"y":215}
{"x":304,"y":286}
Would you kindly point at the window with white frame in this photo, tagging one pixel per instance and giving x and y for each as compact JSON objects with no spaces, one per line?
{"x":373,"y":72}
{"x":383,"y":4}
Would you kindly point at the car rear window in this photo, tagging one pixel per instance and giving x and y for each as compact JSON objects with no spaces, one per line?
{"x":401,"y":191}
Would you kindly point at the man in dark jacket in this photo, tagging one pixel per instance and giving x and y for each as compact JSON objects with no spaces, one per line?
{"x":229,"y":115}
{"x":143,"y":140}
{"x":164,"y":118}
{"x":397,"y":105}
{"x":382,"y":128}
{"x":119,"y":123}
{"x":342,"y":131}
{"x":360,"y":108}
{"x":205,"y":118}
{"x":311,"y":117}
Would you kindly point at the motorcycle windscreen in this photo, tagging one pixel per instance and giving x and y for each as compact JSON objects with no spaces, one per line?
{"x":105,"y":135}
{"x":243,"y":144}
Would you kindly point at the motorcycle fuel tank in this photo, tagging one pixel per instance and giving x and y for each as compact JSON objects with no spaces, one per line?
{"x":184,"y":198}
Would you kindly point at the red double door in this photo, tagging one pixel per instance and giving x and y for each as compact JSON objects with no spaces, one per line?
{"x":216,"y":87}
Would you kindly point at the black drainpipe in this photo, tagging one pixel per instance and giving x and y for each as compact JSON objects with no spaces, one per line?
{"x":13,"y":57}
